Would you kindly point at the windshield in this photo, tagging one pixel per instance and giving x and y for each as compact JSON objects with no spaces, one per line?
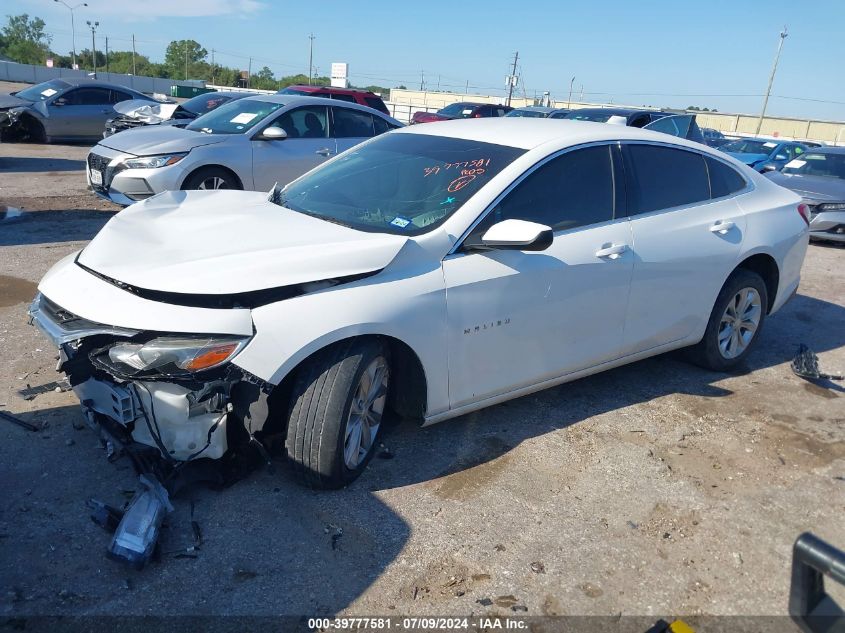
{"x":235,"y":117}
{"x":403,"y":184}
{"x":830,"y":165}
{"x":749,"y":147}
{"x":201,"y":104}
{"x":598,"y":117}
{"x":458,"y":110}
{"x":41,"y":92}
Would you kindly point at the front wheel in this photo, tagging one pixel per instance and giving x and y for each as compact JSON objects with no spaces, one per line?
{"x":735,"y":323}
{"x":337,"y":407}
{"x":211,"y":178}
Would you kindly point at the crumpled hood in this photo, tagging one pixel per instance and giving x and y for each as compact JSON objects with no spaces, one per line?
{"x":145,"y":110}
{"x":816,"y":188}
{"x":11,"y":101}
{"x":227,"y":242}
{"x":748,"y":159}
{"x":148,"y":141}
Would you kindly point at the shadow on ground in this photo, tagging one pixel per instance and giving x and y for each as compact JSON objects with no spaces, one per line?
{"x":39,"y":164}
{"x":48,"y":227}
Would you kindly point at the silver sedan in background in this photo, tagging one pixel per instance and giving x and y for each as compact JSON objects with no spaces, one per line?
{"x":250,"y":143}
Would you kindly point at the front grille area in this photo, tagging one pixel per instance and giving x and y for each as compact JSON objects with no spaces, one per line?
{"x":101,"y":163}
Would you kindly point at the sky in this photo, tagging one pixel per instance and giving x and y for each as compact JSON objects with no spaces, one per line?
{"x":665,"y":53}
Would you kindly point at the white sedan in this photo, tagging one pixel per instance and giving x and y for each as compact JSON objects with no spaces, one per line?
{"x":429,"y":272}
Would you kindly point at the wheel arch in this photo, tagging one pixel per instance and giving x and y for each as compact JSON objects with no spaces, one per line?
{"x":767,"y":267}
{"x":199,"y":168}
{"x":408,"y":391}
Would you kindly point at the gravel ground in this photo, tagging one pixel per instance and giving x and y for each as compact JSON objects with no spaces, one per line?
{"x":650,"y":489}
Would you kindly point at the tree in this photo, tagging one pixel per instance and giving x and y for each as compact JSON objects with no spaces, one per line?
{"x":177,"y":53}
{"x":263,"y":79}
{"x":24,"y":40}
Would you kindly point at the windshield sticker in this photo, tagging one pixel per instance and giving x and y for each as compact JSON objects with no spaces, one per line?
{"x":795,"y":164}
{"x":400,"y":222}
{"x":770,"y":145}
{"x":467,"y":111}
{"x":244,"y":117}
{"x":49,"y":92}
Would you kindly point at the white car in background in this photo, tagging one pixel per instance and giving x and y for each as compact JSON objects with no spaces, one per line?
{"x":430,"y":272}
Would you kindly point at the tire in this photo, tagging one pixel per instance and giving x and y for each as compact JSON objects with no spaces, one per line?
{"x":723,"y":346}
{"x":322,"y":441}
{"x":212,"y":178}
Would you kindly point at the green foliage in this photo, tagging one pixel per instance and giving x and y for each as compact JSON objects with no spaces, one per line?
{"x":181,"y":51}
{"x":24,"y":40}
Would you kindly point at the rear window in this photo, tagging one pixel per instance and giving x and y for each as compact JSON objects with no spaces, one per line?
{"x":658,"y":177}
{"x":724,"y":180}
{"x":376,"y":104}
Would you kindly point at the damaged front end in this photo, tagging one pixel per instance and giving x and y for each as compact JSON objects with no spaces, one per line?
{"x":173,"y":404}
{"x":166,"y":400}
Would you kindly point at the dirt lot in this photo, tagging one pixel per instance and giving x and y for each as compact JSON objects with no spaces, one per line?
{"x":651,"y":489}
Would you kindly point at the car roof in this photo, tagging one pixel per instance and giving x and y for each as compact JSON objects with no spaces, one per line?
{"x":93,"y":83}
{"x":330,"y":89}
{"x":529,"y":133}
{"x":301,"y":100}
{"x":537,"y":109}
{"x":839,"y":151}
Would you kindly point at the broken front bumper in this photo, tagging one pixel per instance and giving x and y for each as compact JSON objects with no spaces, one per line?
{"x":182,"y":419}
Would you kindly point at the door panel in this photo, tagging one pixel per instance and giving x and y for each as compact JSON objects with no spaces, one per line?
{"x":308,"y":144}
{"x":84,"y":114}
{"x":517,"y":318}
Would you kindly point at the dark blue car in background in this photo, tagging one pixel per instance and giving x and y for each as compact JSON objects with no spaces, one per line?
{"x":764,"y":154}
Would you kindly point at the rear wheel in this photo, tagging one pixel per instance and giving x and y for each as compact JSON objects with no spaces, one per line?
{"x":337,"y":407}
{"x":735,"y":323}
{"x":211,"y":178}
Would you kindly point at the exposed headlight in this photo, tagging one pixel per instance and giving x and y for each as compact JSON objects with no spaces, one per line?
{"x":832,"y":206}
{"x":173,"y":355}
{"x":151,"y":162}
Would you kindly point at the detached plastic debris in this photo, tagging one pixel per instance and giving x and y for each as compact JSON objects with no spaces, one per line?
{"x":806,"y":365}
{"x":135,"y":538}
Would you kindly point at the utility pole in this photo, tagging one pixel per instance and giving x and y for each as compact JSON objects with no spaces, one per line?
{"x":133,"y":55}
{"x":186,"y":60}
{"x":581,"y":98}
{"x":569,"y":101}
{"x":310,"y":58}
{"x":107,"y":54}
{"x":466,"y":90}
{"x":249,"y":74}
{"x":93,"y":28}
{"x":72,"y":28}
{"x":212,"y":67}
{"x":512,"y":78}
{"x":422,"y":79}
{"x":782,"y":37}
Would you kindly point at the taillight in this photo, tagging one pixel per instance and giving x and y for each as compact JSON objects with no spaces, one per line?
{"x":477,"y":115}
{"x":804,"y":212}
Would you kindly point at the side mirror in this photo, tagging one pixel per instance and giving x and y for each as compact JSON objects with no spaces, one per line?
{"x":517,"y":235}
{"x":769,"y":167}
{"x":781,"y":157}
{"x":273,"y":133}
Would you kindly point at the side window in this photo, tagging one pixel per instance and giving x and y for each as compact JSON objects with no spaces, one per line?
{"x":347,"y":98}
{"x":118,"y":95}
{"x":724,"y":180}
{"x":572,"y":190}
{"x":380,"y":126}
{"x":659,"y":177}
{"x":88,"y":96}
{"x":352,"y":123}
{"x":307,"y":122}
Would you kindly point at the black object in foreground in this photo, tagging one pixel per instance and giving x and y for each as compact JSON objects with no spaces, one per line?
{"x":806,"y":365}
{"x":811,"y":608}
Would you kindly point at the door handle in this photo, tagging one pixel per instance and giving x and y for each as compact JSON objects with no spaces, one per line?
{"x":721,"y":226}
{"x":324,"y":152}
{"x":612,"y":252}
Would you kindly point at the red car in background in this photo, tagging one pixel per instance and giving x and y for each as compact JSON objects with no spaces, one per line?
{"x":461,"y":110}
{"x":352,"y":95}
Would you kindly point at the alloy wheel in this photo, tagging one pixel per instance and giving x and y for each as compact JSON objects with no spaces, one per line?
{"x":214,"y":182}
{"x":365,"y":413}
{"x":740,"y":322}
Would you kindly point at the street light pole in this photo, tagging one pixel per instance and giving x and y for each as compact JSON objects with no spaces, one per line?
{"x":310,"y":57}
{"x":782,"y":36}
{"x":569,"y":102}
{"x":72,"y":28}
{"x":93,"y":28}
